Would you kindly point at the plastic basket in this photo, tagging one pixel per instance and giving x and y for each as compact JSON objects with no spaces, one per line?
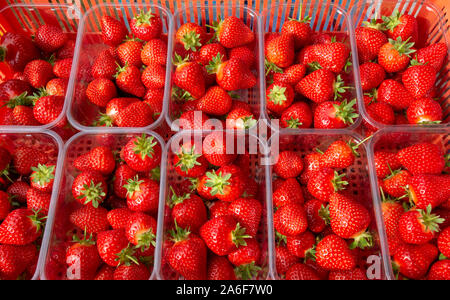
{"x":394,"y":139}
{"x":433,"y":28}
{"x":50,"y":143}
{"x":330,"y":18}
{"x":81,"y":113}
{"x":26,"y":19}
{"x":170,"y":177}
{"x":206,"y":14}
{"x":306,"y":142}
{"x":65,"y":203}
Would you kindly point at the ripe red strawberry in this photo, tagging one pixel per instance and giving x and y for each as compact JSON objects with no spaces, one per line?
{"x":225,"y":184}
{"x":289,"y":191}
{"x":301,"y":245}
{"x":215,"y":149}
{"x":38,"y":72}
{"x":333,"y":254}
{"x":369,"y":41}
{"x":232,"y":74}
{"x":394,"y":56}
{"x":317,"y":215}
{"x":248,"y":212}
{"x":288,"y":165}
{"x":325,"y":182}
{"x":284,"y":259}
{"x":301,"y":271}
{"x":291,"y":75}
{"x":118,"y":218}
{"x":209,"y":51}
{"x":187,"y":256}
{"x":219,"y":268}
{"x":100,"y":159}
{"x":132,"y":271}
{"x":395,"y":183}
{"x":153,"y":76}
{"x":419,"y":79}
{"x":424,"y":111}
{"x":320,"y":86}
{"x":401,"y":25}
{"x":146,"y":25}
{"x":21,"y":227}
{"x":372,"y":74}
{"x":331,"y":56}
{"x":141,"y":231}
{"x":290,"y":219}
{"x":110,"y":244}
{"x":62,"y":67}
{"x":300,"y":29}
{"x":142,"y":153}
{"x":82,"y":259}
{"x":422,"y":158}
{"x":19,"y":190}
{"x":349,"y":220}
{"x":189,"y":162}
{"x":380,"y":112}
{"x":128,"y":79}
{"x":67,"y":50}
{"x":113,"y":31}
{"x":188,"y":211}
{"x":395,"y":94}
{"x":25,"y":158}
{"x":413,"y":261}
{"x":392,"y":211}
{"x":137,"y":114}
{"x":240,"y":118}
{"x":90,"y":188}
{"x":5,"y":205}
{"x":216,"y":101}
{"x":340,"y":155}
{"x":17,"y":50}
{"x":245,"y":54}
{"x":105,"y":65}
{"x":48,"y":108}
{"x":433,"y":55}
{"x":298,"y":115}
{"x":189,"y":76}
{"x":192,"y":36}
{"x":57,"y":87}
{"x":444,"y":242}
{"x":154,"y":52}
{"x":90,"y":219}
{"x":246,"y":259}
{"x":38,"y":200}
{"x":100,"y":91}
{"x":232,"y":33}
{"x":129,"y":52}
{"x":280,"y":50}
{"x":279,"y":97}
{"x":425,"y":190}
{"x":419,"y":226}
{"x":335,"y":114}
{"x":440,"y":270}
{"x":49,"y":38}
{"x":12,"y":263}
{"x":143,"y":195}
{"x":154,"y":98}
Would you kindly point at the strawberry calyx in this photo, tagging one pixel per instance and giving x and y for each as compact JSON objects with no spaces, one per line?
{"x":217,"y":28}
{"x":103,"y":120}
{"x":175,"y":199}
{"x":126,"y":256}
{"x":372,"y":94}
{"x":442,"y":257}
{"x":143,"y":18}
{"x":179,"y":61}
{"x":238,"y":236}
{"x":391,"y":22}
{"x":92,"y":193}
{"x":85,"y":241}
{"x":22,"y":100}
{"x":277,"y":95}
{"x":187,"y":159}
{"x":179,"y":94}
{"x":294,"y":123}
{"x":2,"y":54}
{"x":429,"y":220}
{"x":362,"y":241}
{"x":271,"y":67}
{"x":354,"y":146}
{"x":179,"y":234}
{"x":247,"y":271}
{"x":120,"y":69}
{"x":43,"y":174}
{"x":217,"y":182}
{"x":324,"y":213}
{"x":133,"y":185}
{"x":191,"y":41}
{"x":339,"y":87}
{"x":146,"y":239}
{"x":194,"y":184}
{"x":37,"y":220}
{"x":214,"y":64}
{"x":144,"y":146}
{"x":310,"y":254}
{"x":280,"y":238}
{"x":5,"y":173}
{"x":402,"y":47}
{"x":246,"y":122}
{"x":374,"y":24}
{"x":337,"y":182}
{"x":346,"y":111}
{"x":314,"y":66}
{"x":155,"y":173}
{"x":306,"y":19}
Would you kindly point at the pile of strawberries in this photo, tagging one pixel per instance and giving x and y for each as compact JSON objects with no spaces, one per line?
{"x":26,"y":181}
{"x":415,"y":187}
{"x":108,"y":230}
{"x":127,"y":79}
{"x":309,"y":81}
{"x":211,"y":69}
{"x":323,"y":232}
{"x":213,"y":215}
{"x":398,"y":73}
{"x":37,"y":72}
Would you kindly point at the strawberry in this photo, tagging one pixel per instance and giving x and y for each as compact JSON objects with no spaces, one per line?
{"x":38,"y":72}
{"x":299,"y":29}
{"x":11,"y":262}
{"x":129,"y":52}
{"x":284,"y":259}
{"x":291,"y":75}
{"x":100,"y":159}
{"x":137,"y":114}
{"x":67,"y":50}
{"x":19,"y":191}
{"x":422,"y":158}
{"x":424,"y":111}
{"x":317,"y":215}
{"x":143,"y":195}
{"x":23,"y":115}
{"x":279,"y":97}
{"x":413,"y":261}
{"x":350,"y":220}
{"x":100,"y":91}
{"x":48,"y":108}
{"x":419,"y":79}
{"x":49,"y":38}
{"x":121,"y":176}
{"x":142,"y":153}
{"x":298,"y":115}
{"x":401,"y":26}
{"x":356,"y":274}
{"x":288,"y":165}
{"x":301,"y":271}
{"x":335,"y":114}
{"x":226,"y":183}
{"x":132,"y":271}
{"x":232,"y":32}
{"x":154,"y":52}
{"x":246,"y":260}
{"x":105,"y":65}
{"x":154,"y":98}
{"x":193,"y":119}
{"x":394,"y":56}
{"x":372,"y":74}
{"x":146,"y":25}
{"x":395,"y":183}
{"x":280,"y":50}
{"x":188,"y":211}
{"x":38,"y":200}
{"x":21,"y":227}
{"x":62,"y":67}
{"x":288,"y":192}
{"x":325,"y":182}
{"x":444,"y":242}
{"x":187,"y":256}
{"x":215,"y":149}
{"x":333,"y":254}
{"x":240,"y":118}
{"x":369,"y":41}
{"x":141,"y":231}
{"x":90,"y":219}
{"x":57,"y":87}
{"x":340,"y":154}
{"x":112,"y":245}
{"x":5,"y":205}
{"x":216,"y":101}
{"x":25,"y":158}
{"x":232,"y":74}
{"x":245,"y":54}
{"x":113,"y":31}
{"x":290,"y":219}
{"x":433,"y":55}
{"x":89,"y":188}
{"x":332,"y":56}
{"x":219,"y":268}
{"x":17,"y":50}
{"x":128,"y":79}
{"x":440,"y":270}
{"x":321,"y":86}
{"x":209,"y":51}
{"x":154,"y":76}
{"x":425,"y":190}
{"x":118,"y":218}
{"x":392,"y":212}
{"x":419,"y":226}
{"x":300,"y":245}
{"x":82,"y":259}
{"x":380,"y":112}
{"x":191,"y":36}
{"x":395,"y":94}
{"x":248,"y":212}
{"x":189,"y":76}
